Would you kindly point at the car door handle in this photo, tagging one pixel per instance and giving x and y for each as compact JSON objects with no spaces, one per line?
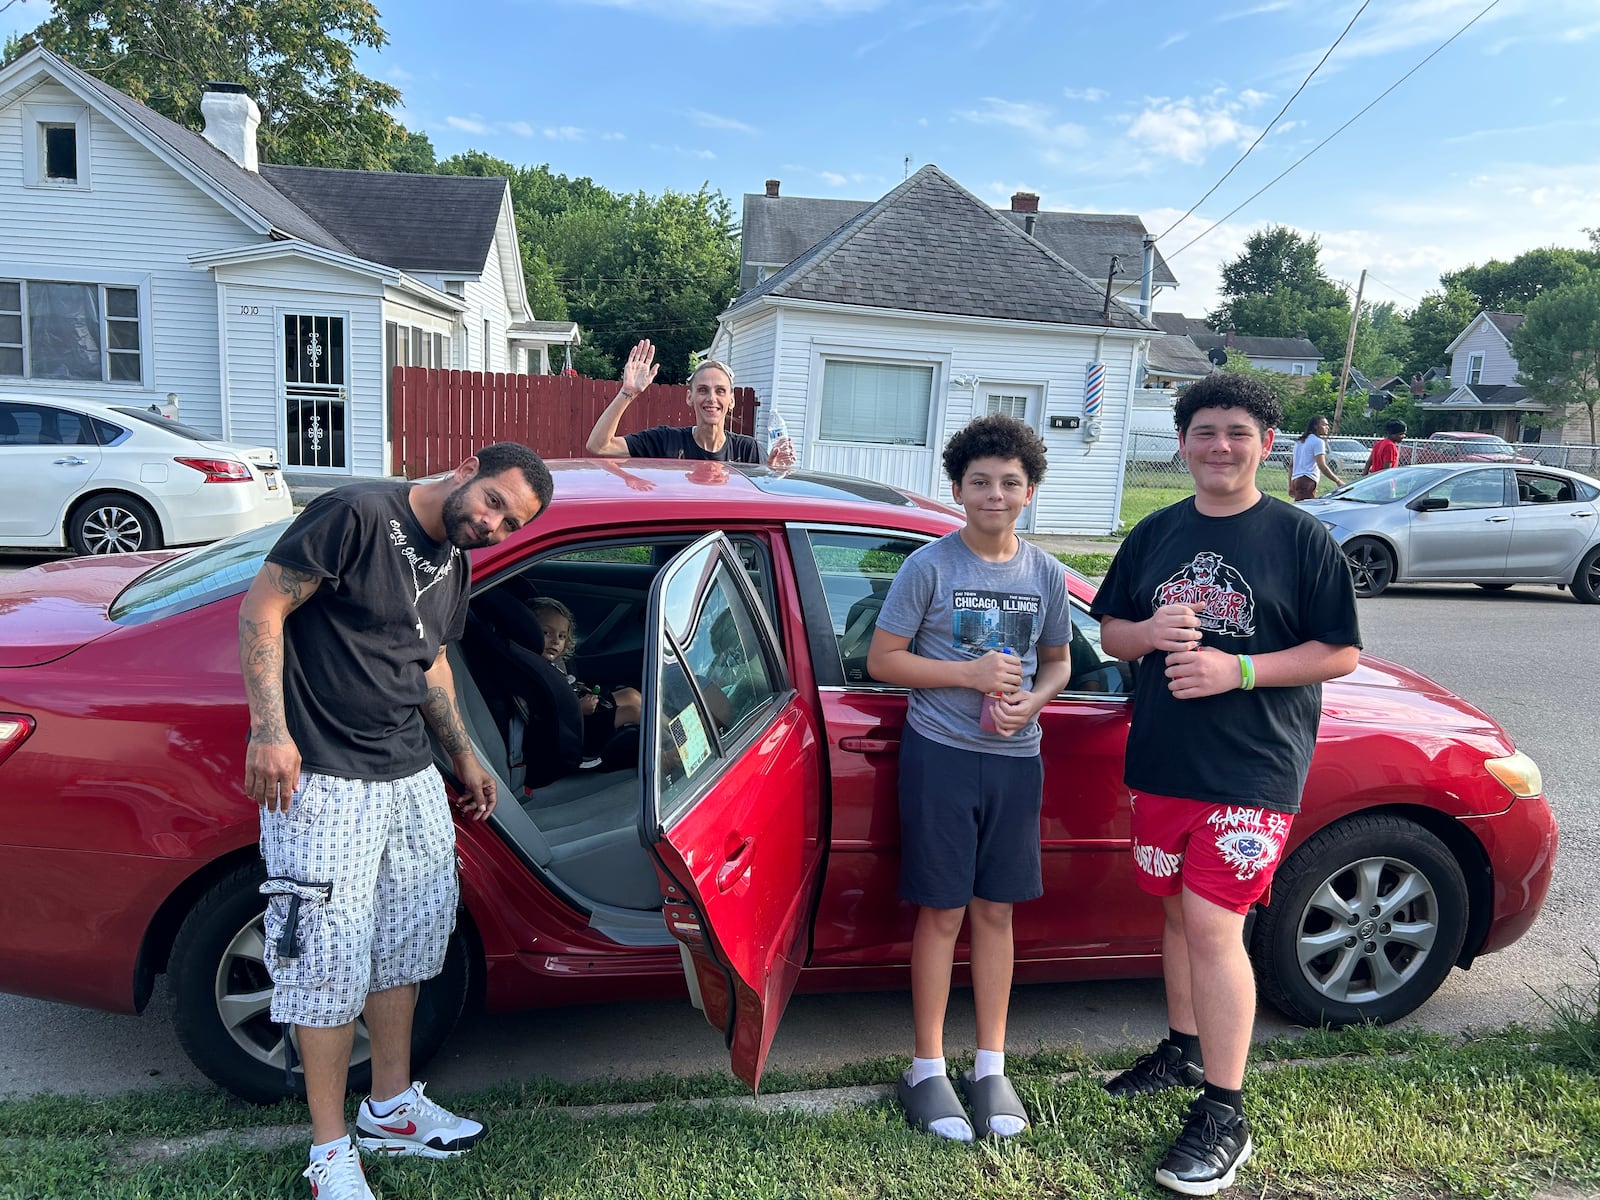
{"x":737,"y":866}
{"x":1583,"y":514}
{"x":71,"y":462}
{"x":869,"y":745}
{"x":1496,"y":520}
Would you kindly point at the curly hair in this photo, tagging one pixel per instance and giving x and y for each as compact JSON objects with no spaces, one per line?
{"x":995,"y":436}
{"x":549,"y":604}
{"x":1224,"y":389}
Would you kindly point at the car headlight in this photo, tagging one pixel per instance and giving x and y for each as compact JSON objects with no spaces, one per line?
{"x":1519,"y":773}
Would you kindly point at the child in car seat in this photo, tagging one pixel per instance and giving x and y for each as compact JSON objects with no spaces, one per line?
{"x":605,"y":713}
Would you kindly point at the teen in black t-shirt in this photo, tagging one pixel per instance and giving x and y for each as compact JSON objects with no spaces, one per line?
{"x":1236,"y":607}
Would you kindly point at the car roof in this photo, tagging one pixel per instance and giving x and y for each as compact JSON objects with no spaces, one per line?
{"x":79,"y":403}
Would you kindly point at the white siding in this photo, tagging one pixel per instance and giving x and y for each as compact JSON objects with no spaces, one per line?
{"x":140,"y":217}
{"x":1498,"y":365}
{"x":257,"y":297}
{"x":1081,"y":492}
{"x":751,"y":351}
{"x":486,"y":298}
{"x":1286,"y":366}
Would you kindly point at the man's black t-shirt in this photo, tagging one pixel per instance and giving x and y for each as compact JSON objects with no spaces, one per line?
{"x":355,"y":653}
{"x":665,"y":441}
{"x":1262,"y":580}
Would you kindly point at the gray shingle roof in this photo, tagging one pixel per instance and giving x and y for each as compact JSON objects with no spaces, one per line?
{"x":779,"y":229}
{"x":931,"y":246}
{"x":413,"y":222}
{"x":1506,"y":322}
{"x":1206,"y":338}
{"x":1088,"y":240}
{"x":1483,"y":395}
{"x":1176,"y":355}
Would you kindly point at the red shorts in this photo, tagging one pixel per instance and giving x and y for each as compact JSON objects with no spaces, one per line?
{"x":1224,"y":853}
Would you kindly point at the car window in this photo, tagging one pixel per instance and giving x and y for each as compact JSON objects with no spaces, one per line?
{"x":1386,"y":486}
{"x":1473,"y":489}
{"x":1093,"y":670}
{"x":714,"y":678}
{"x":160,"y":422}
{"x":221,"y":569}
{"x":42,"y":425}
{"x":1544,"y":489}
{"x":856,"y":571}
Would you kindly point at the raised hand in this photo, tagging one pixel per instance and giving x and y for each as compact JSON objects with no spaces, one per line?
{"x":640,"y":370}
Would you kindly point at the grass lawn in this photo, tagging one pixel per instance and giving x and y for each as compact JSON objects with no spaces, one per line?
{"x":1376,"y":1113}
{"x":1145,"y":491}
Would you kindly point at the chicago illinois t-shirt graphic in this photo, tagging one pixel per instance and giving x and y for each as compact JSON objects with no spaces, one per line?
{"x":1217,"y":592}
{"x":984,"y":620}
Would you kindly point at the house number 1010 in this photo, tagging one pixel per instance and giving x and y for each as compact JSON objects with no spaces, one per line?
{"x":249,"y":310}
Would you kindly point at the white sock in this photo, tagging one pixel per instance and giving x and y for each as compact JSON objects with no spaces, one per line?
{"x":384,"y":1108}
{"x":955,"y":1129}
{"x":318,"y":1153}
{"x":989,"y":1062}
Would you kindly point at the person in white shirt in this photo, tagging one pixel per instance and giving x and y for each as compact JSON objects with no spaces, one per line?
{"x":1310,"y":461}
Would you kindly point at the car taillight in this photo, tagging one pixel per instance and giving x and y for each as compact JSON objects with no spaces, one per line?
{"x":219,"y":470}
{"x":14,"y":730}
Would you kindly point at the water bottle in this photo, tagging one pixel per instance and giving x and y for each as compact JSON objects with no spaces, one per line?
{"x":778,"y":441}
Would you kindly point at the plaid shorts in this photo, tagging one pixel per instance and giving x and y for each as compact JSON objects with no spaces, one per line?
{"x":362,"y":890}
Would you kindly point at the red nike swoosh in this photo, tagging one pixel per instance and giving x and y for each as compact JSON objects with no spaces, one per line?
{"x":407,"y":1129}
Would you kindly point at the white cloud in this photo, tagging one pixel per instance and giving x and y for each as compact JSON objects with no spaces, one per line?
{"x":708,"y":120}
{"x":676,"y":149}
{"x":1249,"y":97}
{"x":1091,"y":95}
{"x":472,"y":124}
{"x":563,"y":133}
{"x":1188,"y":129}
{"x":1172,"y":39}
{"x":1271,"y":6}
{"x":833,"y":178}
{"x":1286,"y":126}
{"x":613,"y":136}
{"x":520,"y":128}
{"x":400,"y":75}
{"x":1036,"y":122}
{"x":742,"y":12}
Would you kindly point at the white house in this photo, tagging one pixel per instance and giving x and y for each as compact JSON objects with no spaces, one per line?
{"x":1296,"y":355}
{"x":923,"y":310}
{"x":1484,"y":393}
{"x":139,"y":259}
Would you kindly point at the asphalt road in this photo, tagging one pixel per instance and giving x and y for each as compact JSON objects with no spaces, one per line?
{"x":1528,"y":656}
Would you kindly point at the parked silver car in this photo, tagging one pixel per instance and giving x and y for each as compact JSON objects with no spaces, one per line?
{"x":1485,"y":523}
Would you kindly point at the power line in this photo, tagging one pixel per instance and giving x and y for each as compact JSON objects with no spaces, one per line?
{"x":1267,"y":128}
{"x":1394,"y":289}
{"x":1210,"y":229}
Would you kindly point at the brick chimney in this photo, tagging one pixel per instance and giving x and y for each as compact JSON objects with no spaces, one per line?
{"x":1227,"y":338}
{"x":1302,"y":335}
{"x":772,"y":187}
{"x":231,"y":121}
{"x":1024,"y":202}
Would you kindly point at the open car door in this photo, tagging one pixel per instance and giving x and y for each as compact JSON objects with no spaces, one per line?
{"x":732,"y":807}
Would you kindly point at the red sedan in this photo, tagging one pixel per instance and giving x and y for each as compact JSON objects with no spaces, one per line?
{"x":745,"y":843}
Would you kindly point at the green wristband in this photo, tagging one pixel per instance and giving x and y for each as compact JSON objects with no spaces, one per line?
{"x":1247,"y":673}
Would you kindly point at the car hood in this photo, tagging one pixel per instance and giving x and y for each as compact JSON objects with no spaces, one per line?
{"x":1379,"y":692}
{"x":48,"y":611}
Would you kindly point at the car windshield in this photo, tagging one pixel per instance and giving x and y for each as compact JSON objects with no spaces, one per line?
{"x":160,"y":422}
{"x":224,"y":568}
{"x":1388,"y":486}
{"x":1486,"y":442}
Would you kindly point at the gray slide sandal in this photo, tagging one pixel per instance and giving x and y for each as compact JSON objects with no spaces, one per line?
{"x":992,"y":1096}
{"x":931,"y":1100}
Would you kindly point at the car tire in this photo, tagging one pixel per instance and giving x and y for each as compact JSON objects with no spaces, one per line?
{"x":1496,"y":587}
{"x":222,"y":991}
{"x":1371,"y":566}
{"x":113,"y":524}
{"x":1405,"y":893}
{"x":1586,"y":582}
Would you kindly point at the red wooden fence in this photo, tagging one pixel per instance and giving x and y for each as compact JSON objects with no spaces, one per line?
{"x":438,"y":418}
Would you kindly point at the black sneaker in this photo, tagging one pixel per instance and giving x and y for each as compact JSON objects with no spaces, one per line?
{"x":1162,"y":1068}
{"x":1214,"y":1144}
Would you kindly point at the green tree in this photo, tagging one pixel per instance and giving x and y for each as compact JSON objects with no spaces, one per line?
{"x":1511,"y":286}
{"x":1558,"y":350}
{"x":1437,"y":321}
{"x":1277,"y":288}
{"x":296,"y":59}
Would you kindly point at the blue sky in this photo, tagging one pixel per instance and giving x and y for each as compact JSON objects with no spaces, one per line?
{"x":1098,"y":105}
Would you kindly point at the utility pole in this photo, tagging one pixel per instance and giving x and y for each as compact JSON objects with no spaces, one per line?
{"x":1349,"y":349}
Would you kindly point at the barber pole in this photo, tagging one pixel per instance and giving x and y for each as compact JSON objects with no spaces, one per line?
{"x":1094,"y":389}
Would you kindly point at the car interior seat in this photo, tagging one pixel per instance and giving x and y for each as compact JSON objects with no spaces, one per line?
{"x":1525,"y":493}
{"x":859,"y":625}
{"x":8,"y":426}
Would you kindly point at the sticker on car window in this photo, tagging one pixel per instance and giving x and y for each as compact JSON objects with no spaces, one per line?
{"x":689,"y":735}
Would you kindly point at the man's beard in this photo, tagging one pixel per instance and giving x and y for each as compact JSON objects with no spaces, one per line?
{"x":459,"y":529}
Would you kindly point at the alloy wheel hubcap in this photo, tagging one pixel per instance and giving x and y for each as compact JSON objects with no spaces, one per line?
{"x":112,"y":530}
{"x":1367,"y":930}
{"x":243,"y":992}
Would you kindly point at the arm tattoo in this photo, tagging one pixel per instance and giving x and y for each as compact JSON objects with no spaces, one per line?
{"x":439,"y":709}
{"x":261,"y":652}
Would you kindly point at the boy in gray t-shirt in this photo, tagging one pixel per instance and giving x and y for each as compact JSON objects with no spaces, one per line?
{"x":977,"y":626}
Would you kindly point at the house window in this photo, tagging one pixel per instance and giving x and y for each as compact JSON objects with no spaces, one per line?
{"x":61,"y":152}
{"x":56,"y":153}
{"x":1297,"y":369}
{"x":486,"y":365}
{"x":876,"y":402}
{"x":1475,"y":368}
{"x":77,"y":331}
{"x":1011,"y":406}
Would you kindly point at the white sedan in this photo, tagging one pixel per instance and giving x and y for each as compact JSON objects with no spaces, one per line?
{"x":105,"y":478}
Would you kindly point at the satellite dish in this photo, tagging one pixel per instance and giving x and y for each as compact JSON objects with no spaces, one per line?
{"x":1218,"y":356}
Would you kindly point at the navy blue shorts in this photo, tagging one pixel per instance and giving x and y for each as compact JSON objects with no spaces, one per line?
{"x":969,"y":825}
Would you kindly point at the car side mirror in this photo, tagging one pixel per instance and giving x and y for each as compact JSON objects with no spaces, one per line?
{"x":1430,"y":504}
